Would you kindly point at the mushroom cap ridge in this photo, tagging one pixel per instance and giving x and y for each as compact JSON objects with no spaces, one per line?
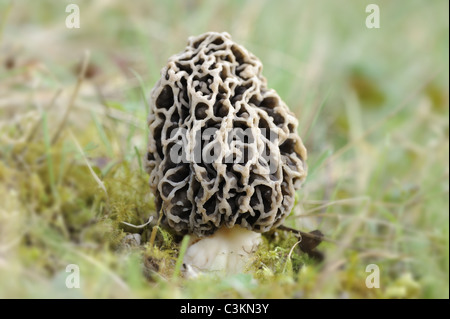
{"x":223,"y":149}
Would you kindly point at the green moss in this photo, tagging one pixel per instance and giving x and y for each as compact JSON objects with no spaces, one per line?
{"x":378,"y":183}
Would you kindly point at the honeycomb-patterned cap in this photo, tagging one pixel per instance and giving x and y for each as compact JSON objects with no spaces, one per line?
{"x":223,"y":148}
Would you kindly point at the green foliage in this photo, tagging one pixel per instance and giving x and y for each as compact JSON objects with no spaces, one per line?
{"x":372,"y":107}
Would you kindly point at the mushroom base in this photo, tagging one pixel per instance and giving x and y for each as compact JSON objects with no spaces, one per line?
{"x":228,"y":251}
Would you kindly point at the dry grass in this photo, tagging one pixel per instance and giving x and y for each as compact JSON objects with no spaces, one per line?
{"x":373,"y":113}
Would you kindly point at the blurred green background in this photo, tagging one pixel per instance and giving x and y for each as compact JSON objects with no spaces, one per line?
{"x":372,"y":106}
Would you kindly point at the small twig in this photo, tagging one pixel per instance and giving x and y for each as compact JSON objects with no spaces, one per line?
{"x":139,"y":226}
{"x":345,"y":201}
{"x":154,"y":231}
{"x":97,"y":179}
{"x":290,"y":254}
{"x":301,"y":234}
{"x":73,"y":97}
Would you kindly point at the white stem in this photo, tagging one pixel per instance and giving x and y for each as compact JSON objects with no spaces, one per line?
{"x":227,"y":251}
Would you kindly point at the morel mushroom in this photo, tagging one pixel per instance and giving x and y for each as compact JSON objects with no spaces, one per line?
{"x":224,"y":156}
